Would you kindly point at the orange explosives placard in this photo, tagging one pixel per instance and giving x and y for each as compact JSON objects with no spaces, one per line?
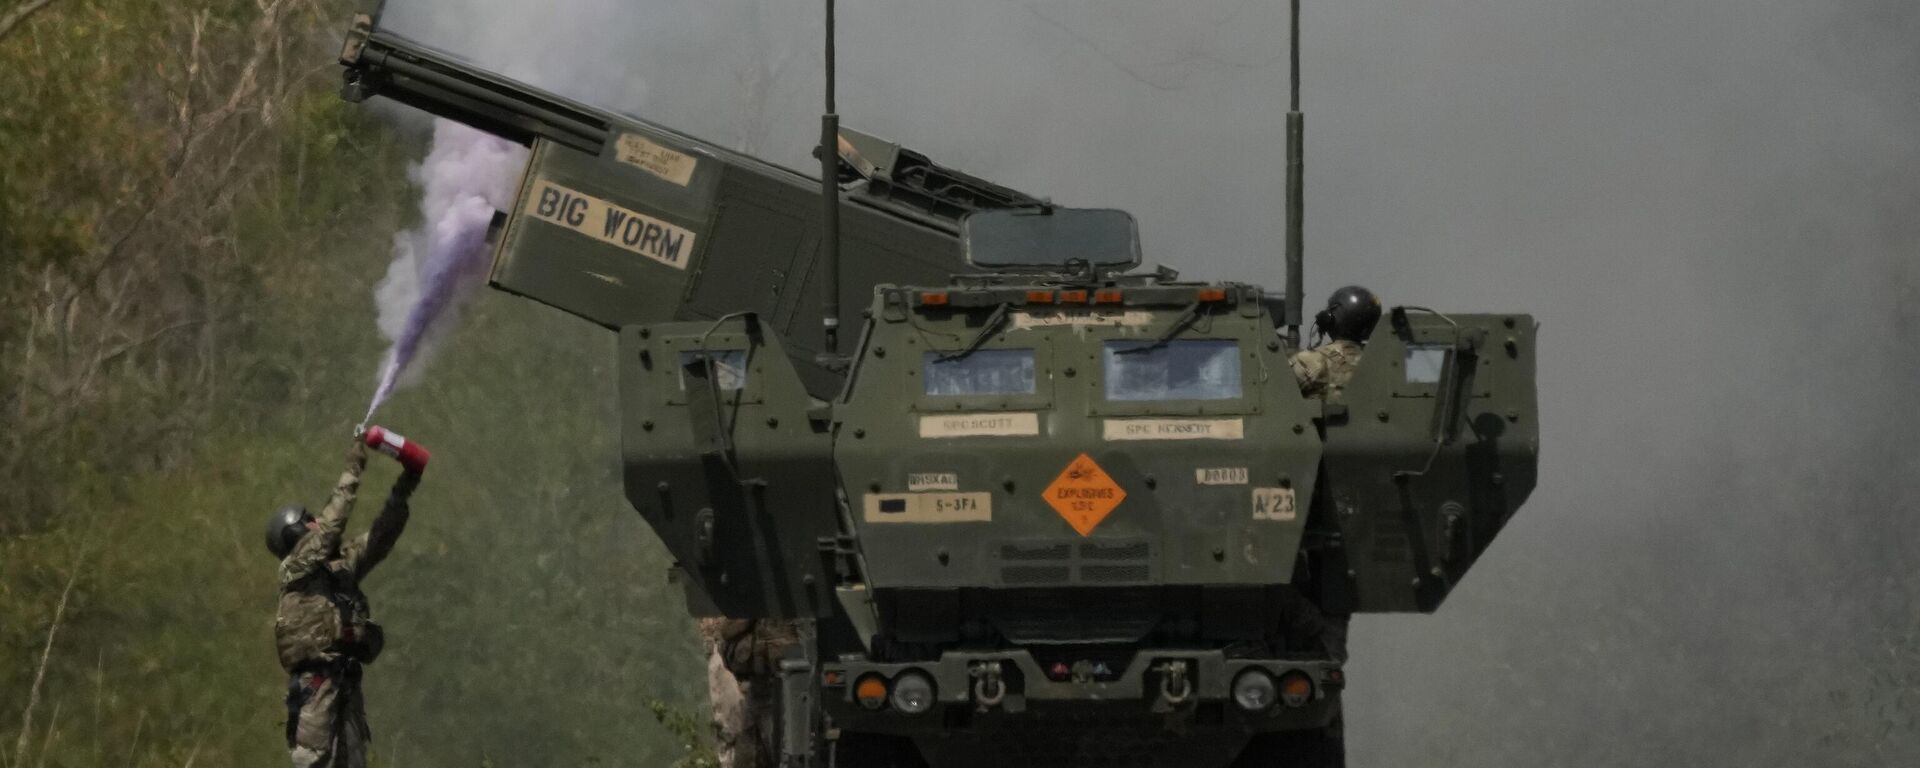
{"x":1084,"y":494}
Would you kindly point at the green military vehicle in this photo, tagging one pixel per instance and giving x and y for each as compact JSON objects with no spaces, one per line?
{"x":1047,"y":509}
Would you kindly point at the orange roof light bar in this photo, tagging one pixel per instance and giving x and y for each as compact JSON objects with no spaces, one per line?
{"x":1106,"y":297}
{"x":1039,"y":297}
{"x":1073,"y":297}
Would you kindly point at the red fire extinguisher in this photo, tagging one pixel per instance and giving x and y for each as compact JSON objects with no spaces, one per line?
{"x":411,"y":454}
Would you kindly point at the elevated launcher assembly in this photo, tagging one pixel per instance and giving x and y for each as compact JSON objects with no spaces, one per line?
{"x":736,"y":233}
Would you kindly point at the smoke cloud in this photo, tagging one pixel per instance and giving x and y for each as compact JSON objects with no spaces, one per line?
{"x":438,"y":265}
{"x":1713,"y":208}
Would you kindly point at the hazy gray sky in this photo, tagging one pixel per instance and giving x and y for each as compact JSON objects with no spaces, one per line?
{"x":1713,"y":208}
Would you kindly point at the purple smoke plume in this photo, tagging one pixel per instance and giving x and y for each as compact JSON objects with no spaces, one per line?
{"x":436,"y":266}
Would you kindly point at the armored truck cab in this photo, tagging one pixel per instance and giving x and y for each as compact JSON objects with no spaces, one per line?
{"x":1075,"y":516}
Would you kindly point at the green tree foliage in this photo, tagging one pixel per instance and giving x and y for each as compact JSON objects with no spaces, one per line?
{"x":690,"y":727}
{"x":191,"y":225}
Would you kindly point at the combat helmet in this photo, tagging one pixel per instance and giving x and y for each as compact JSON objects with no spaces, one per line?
{"x":1350,"y":315}
{"x":285,"y":528}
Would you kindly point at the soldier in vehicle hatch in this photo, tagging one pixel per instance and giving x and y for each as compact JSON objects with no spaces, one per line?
{"x":323,"y":629}
{"x":1347,"y":321}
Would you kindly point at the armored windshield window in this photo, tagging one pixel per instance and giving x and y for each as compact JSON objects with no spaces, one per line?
{"x":1183,"y":369}
{"x":984,"y":372}
{"x":1425,"y":362}
{"x":729,"y":367}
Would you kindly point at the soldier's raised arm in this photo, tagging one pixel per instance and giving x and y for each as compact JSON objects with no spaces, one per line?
{"x":320,"y":544}
{"x":370,"y":548}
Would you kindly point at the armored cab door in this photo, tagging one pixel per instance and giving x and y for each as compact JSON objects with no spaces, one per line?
{"x":1432,"y":448}
{"x":721,"y":458}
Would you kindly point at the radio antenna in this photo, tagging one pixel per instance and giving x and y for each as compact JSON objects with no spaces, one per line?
{"x":830,"y":198}
{"x":1296,"y":141}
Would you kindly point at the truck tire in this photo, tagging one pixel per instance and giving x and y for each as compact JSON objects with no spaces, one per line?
{"x":854,"y":750}
{"x":1314,"y":748}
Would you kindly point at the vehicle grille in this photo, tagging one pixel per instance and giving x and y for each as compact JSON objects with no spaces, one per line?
{"x":1030,"y":575}
{"x":1013,"y":551}
{"x":1102,"y":563}
{"x":1119,"y":614}
{"x":1133,"y":550}
{"x":1113,"y":574}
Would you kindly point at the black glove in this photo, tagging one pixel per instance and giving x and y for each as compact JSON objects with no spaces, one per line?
{"x":409,"y":480}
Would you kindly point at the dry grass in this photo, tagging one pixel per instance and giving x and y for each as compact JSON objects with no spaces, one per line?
{"x":190,"y":227}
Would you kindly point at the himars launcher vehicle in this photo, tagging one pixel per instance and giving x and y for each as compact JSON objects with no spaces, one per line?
{"x":1044,"y":509}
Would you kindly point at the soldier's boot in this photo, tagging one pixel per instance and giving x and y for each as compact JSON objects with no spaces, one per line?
{"x":356,"y":737}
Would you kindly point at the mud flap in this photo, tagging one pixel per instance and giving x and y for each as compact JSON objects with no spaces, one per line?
{"x":797,"y":714}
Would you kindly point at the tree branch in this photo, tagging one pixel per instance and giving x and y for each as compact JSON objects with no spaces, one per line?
{"x":196,"y":130}
{"x":40,"y":676}
{"x":19,"y":14}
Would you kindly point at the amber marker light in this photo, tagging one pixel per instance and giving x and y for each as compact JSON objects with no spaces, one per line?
{"x":1073,"y":297}
{"x":1210,"y":295}
{"x":1106,"y":297}
{"x":871,"y":692}
{"x":1295,"y":689}
{"x":1039,"y":297}
{"x":933,"y":299}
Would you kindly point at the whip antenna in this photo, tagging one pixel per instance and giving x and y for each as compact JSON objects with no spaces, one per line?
{"x":1295,"y":180}
{"x":830,"y":198}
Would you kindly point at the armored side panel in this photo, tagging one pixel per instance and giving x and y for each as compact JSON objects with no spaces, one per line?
{"x":721,"y":459}
{"x":1434,"y":447}
{"x":1072,"y":515}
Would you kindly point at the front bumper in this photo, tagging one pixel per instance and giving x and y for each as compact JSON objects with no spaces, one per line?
{"x":1182,"y":685}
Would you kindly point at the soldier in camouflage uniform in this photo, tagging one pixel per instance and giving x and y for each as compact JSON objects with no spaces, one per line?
{"x":1323,"y":372}
{"x":1347,"y":321}
{"x":743,"y":680}
{"x":324,"y":630}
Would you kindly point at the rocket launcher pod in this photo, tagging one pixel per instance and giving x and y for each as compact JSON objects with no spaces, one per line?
{"x":623,"y":221}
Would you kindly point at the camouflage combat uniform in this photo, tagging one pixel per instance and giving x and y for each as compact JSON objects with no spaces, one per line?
{"x":324,"y":630}
{"x":1326,"y":369}
{"x":743,"y":680}
{"x":1323,"y":372}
